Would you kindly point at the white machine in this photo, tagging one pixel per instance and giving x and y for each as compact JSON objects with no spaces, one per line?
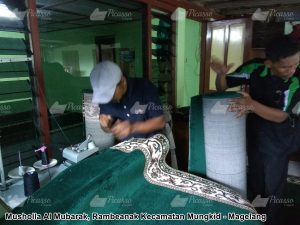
{"x":78,"y":152}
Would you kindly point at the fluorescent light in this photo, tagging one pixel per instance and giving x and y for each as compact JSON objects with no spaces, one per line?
{"x":6,"y":13}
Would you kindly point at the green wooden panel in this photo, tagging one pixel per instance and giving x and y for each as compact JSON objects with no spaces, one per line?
{"x":9,"y":34}
{"x":14,"y":86}
{"x":12,"y":46}
{"x":13,"y":96}
{"x":15,"y":107}
{"x":13,"y":66}
{"x":13,"y":52}
{"x":10,"y":75}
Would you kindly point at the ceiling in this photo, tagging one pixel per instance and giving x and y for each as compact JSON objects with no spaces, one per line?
{"x":55,"y":15}
{"x":70,"y":14}
{"x":238,"y":8}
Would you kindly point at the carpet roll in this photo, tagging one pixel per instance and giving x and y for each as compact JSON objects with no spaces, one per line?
{"x":223,"y":140}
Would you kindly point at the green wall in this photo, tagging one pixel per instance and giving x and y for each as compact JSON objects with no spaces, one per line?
{"x":192,"y":59}
{"x":187,"y":59}
{"x":83,"y":40}
{"x":64,"y":86}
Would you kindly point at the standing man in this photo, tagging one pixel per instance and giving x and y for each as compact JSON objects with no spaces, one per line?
{"x":273,"y":129}
{"x":129,"y":107}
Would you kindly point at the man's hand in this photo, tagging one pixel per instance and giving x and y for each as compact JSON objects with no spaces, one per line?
{"x":219,"y":67}
{"x":242,"y":105}
{"x":245,"y":104}
{"x":122,"y":129}
{"x":106,"y":122}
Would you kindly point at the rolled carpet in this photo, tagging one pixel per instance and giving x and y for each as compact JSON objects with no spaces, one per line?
{"x":218,"y":141}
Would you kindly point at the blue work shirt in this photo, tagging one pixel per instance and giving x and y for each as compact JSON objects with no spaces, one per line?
{"x":140,"y":103}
